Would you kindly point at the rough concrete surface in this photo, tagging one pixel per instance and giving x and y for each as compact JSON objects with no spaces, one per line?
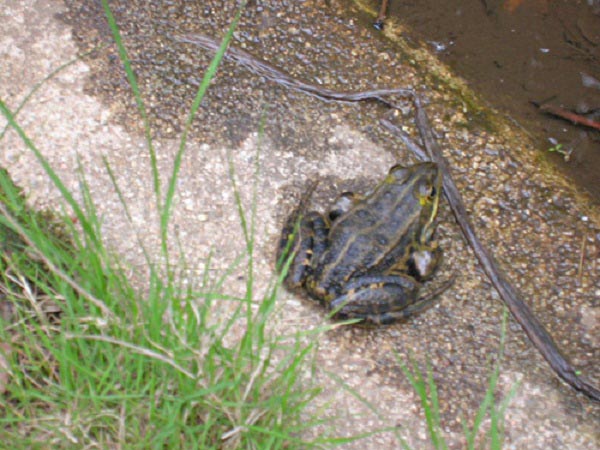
{"x":543,"y":233}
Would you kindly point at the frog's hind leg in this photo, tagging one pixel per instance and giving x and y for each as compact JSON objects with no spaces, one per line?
{"x":424,"y":302}
{"x":396,"y":316}
{"x":303,"y":235}
{"x":306,"y":238}
{"x":374,"y":296}
{"x":292,"y":227}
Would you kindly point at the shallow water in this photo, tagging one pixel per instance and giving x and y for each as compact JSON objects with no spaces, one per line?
{"x":519,"y":53}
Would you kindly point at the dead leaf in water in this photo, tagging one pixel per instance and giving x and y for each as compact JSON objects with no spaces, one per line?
{"x":512,"y":5}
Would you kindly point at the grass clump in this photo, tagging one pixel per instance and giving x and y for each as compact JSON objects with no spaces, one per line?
{"x":87,"y":360}
{"x":480,"y":434}
{"x":91,"y":362}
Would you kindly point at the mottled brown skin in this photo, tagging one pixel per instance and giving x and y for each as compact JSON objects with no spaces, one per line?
{"x":367,"y":257}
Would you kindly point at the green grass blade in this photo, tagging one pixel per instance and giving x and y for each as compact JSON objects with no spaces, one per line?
{"x":435,"y":409}
{"x":138,"y":97}
{"x":488,"y":406}
{"x":48,"y":77}
{"x":371,"y":407}
{"x":202,"y":89}
{"x":116,"y":187}
{"x":79,"y":213}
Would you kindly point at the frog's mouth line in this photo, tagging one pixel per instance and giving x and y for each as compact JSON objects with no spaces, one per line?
{"x":428,"y":227}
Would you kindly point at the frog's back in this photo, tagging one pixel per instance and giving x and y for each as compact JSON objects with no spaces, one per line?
{"x":373,"y":235}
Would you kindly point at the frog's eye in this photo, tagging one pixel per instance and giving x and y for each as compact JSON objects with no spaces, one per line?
{"x":342,"y":205}
{"x":427,"y":192}
{"x":432,"y":191}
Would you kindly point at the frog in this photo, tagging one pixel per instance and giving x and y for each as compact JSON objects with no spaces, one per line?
{"x":367,"y":258}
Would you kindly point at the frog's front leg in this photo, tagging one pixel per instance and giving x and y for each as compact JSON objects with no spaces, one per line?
{"x":377,"y":299}
{"x":424,"y":262}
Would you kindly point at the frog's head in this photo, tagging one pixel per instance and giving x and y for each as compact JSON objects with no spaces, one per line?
{"x":424,"y":182}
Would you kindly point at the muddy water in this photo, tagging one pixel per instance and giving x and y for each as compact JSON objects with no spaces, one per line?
{"x":519,"y":53}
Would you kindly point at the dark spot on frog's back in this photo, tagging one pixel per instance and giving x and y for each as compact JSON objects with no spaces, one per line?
{"x":361,"y":218}
{"x":381,"y":239}
{"x":365,"y":217}
{"x":362,"y":251}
